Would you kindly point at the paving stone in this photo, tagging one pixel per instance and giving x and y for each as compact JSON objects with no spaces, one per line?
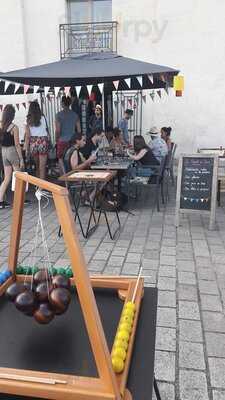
{"x":186,"y":265}
{"x":119,"y":251}
{"x":167,"y":391}
{"x":200,"y":248}
{"x":96,"y":265}
{"x":191,"y":355}
{"x":217,"y":258}
{"x":133,"y":258}
{"x":208,"y":287}
{"x":168,"y":251}
{"x":165,"y":283}
{"x":206,"y":274}
{"x":187,"y":292}
{"x":115,"y":261}
{"x":112,"y":271}
{"x":215,"y":344}
{"x":185,"y":255}
{"x":190,"y":331}
{"x":204,"y":262}
{"x":101,"y":255}
{"x":189,"y":310}
{"x":151,"y":254}
{"x":165,"y":366}
{"x":166,"y":317}
{"x":130,"y":269}
{"x":165,"y":339}
{"x":167,"y":260}
{"x":193,"y":385}
{"x":213,"y":322}
{"x":150,"y":264}
{"x":210,"y":303}
{"x":218,"y":395}
{"x":187,"y":278}
{"x":169,"y":242}
{"x":167,"y":270}
{"x":217,"y":375}
{"x":166,"y":299}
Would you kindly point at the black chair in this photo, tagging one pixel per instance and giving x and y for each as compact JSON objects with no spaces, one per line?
{"x":145,"y":178}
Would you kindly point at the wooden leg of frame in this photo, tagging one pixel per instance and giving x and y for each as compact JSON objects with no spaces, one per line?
{"x":127,"y":395}
{"x":156,"y":389}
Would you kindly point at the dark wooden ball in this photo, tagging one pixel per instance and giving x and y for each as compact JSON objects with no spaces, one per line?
{"x":25,"y":302}
{"x":60,"y":299}
{"x":41,"y":276}
{"x":60,"y":281}
{"x":44,"y":314}
{"x":13,"y":290}
{"x":43,"y":291}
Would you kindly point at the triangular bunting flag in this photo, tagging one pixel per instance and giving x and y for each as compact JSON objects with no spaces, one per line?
{"x":78,"y":89}
{"x":46,"y":89}
{"x":89,"y":89}
{"x":151,"y":78}
{"x":25,"y":106}
{"x":18,"y":106}
{"x":116,"y":84}
{"x":67,"y":90}
{"x":101,"y":87}
{"x":128,"y":82}
{"x":26,"y":88}
{"x":1,"y":107}
{"x":57,"y":89}
{"x":36,"y":89}
{"x":159,"y":93}
{"x":7,"y":83}
{"x":140,"y":80}
{"x":17,"y":85}
{"x":162,"y":78}
{"x":152,"y":95}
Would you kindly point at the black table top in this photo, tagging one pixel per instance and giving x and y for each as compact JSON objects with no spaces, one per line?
{"x":63,"y":345}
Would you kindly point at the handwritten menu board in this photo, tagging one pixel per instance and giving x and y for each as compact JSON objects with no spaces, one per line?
{"x":196,"y":183}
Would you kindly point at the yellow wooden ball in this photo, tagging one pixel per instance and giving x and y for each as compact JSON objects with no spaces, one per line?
{"x":124,"y":335}
{"x":130,"y":305}
{"x":118,"y":364}
{"x":121,"y":343}
{"x":126,"y":319}
{"x":125,"y":326}
{"x":119,"y":352}
{"x":128,"y":312}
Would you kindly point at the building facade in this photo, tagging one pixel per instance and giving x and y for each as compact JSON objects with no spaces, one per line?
{"x":184,"y":35}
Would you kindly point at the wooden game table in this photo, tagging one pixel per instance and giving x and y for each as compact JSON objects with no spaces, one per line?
{"x":84,"y":179}
{"x":63,"y":346}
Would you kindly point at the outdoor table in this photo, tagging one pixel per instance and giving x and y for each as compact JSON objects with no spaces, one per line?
{"x":98,"y":179}
{"x":63,"y":346}
{"x":119,"y":164}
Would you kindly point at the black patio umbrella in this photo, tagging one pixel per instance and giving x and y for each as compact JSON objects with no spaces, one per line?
{"x":91,"y":69}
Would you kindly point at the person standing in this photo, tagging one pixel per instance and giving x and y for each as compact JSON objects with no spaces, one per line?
{"x":11,"y":151}
{"x":165,"y":135}
{"x":157,"y":144}
{"x":95,"y":122}
{"x":66,"y":125}
{"x":123,"y":125}
{"x":37,"y":138}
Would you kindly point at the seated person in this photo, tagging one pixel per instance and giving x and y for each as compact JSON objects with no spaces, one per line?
{"x":143,"y":153}
{"x":73,"y":158}
{"x":165,"y":135}
{"x":117,"y":143}
{"x":157,"y":144}
{"x":92,"y":143}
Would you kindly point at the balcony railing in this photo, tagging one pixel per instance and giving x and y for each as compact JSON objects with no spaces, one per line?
{"x":87,"y":38}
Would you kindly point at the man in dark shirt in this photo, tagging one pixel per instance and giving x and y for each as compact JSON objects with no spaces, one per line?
{"x":92,"y":143}
{"x":95,"y":121}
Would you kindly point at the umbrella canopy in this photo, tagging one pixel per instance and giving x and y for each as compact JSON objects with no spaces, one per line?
{"x":91,"y":69}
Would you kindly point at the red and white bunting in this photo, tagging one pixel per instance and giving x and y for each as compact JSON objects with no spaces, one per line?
{"x":46,"y":89}
{"x":101,"y":87}
{"x":56,"y":90}
{"x":36,"y":89}
{"x":17,"y":86}
{"x":67,"y":90}
{"x":128,"y":82}
{"x":140,"y":80}
{"x":78,"y":89}
{"x":17,"y":106}
{"x":25,"y":106}
{"x":89,"y":89}
{"x":151,"y":78}
{"x":7,"y":83}
{"x":116,"y":84}
{"x":26,"y":88}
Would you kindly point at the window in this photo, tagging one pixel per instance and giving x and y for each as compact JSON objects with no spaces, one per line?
{"x":81,"y":11}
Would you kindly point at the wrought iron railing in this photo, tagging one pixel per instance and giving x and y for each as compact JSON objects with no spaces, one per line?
{"x":87,"y":38}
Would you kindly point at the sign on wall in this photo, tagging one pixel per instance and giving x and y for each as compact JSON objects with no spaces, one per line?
{"x":197,"y":186}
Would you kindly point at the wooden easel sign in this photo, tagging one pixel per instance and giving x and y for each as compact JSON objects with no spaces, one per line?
{"x":197,"y":186}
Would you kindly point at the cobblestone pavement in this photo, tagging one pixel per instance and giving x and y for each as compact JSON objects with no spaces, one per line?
{"x":187,"y":266}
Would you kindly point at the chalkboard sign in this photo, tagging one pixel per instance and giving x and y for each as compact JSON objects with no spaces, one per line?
{"x":197,"y":185}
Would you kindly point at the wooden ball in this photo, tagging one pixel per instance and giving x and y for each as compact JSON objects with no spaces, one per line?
{"x":44,"y":314}
{"x":118,"y":364}
{"x":60,"y":281}
{"x":13,"y":291}
{"x":43,"y":291}
{"x":41,"y":276}
{"x":60,"y":299}
{"x":119,"y":352}
{"x":25,"y":302}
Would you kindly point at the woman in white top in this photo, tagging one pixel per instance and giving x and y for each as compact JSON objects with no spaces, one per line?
{"x":37,"y":138}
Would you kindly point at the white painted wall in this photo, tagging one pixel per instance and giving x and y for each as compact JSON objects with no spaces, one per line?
{"x":192,"y":40}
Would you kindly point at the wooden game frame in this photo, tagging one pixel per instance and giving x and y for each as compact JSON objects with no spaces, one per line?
{"x":109,"y":386}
